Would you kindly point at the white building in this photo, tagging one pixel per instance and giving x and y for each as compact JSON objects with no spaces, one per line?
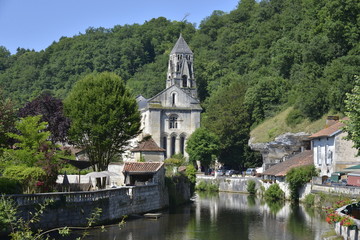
{"x":172,"y":115}
{"x":332,"y":153}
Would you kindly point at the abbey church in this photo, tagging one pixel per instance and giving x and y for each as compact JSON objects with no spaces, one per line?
{"x":173,"y":114}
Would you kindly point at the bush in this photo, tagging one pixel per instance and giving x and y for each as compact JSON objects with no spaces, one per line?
{"x":274,"y":193}
{"x":71,"y":170}
{"x":251,"y":187}
{"x":10,"y":186}
{"x":207,"y":187}
{"x":309,"y":200}
{"x":29,"y":177}
{"x":294,"y":117}
{"x":297,"y":177}
{"x":190,"y":173}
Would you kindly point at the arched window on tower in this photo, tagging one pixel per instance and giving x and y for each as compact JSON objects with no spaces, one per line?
{"x":173,"y":121}
{"x":184,"y":81}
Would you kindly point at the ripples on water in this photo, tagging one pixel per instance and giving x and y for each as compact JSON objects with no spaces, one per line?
{"x":223,"y":216}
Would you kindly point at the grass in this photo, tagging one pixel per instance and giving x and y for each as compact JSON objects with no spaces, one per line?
{"x":275,"y":126}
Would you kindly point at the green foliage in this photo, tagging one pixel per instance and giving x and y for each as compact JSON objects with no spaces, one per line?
{"x":274,"y":193}
{"x":352,"y":126}
{"x":21,"y":229}
{"x":29,"y":177}
{"x":104,"y":116}
{"x":174,"y":162}
{"x":7,"y":118}
{"x":10,"y":186}
{"x":32,"y":136}
{"x":71,"y":170}
{"x":294,"y":117}
{"x":251,"y":187}
{"x":190,"y":173}
{"x":297,"y":177}
{"x":227,"y":117}
{"x":201,"y":146}
{"x":204,"y":186}
{"x":285,"y":53}
{"x":309,"y":200}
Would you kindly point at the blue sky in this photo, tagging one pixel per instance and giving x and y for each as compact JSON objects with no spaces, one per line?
{"x":35,"y":24}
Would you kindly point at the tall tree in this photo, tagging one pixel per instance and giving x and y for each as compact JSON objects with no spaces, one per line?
{"x":227,"y":116}
{"x":104,"y":117}
{"x":7,"y":119}
{"x":202,"y":146}
{"x":52,"y":112}
{"x":352,"y":105}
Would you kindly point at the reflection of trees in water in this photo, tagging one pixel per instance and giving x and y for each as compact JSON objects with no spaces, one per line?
{"x":251,"y":200}
{"x":275,"y":206}
{"x":296,"y":223}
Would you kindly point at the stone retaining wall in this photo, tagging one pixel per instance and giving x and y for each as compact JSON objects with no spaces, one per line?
{"x":345,"y":190}
{"x":73,"y":209}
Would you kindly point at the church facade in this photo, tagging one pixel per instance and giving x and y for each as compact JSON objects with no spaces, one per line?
{"x":172,"y":115}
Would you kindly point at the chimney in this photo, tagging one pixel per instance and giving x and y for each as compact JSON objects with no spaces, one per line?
{"x":330,"y":120}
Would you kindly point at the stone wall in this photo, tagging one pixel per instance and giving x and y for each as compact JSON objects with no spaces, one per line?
{"x":239,"y":185}
{"x":73,"y":209}
{"x":344,"y":190}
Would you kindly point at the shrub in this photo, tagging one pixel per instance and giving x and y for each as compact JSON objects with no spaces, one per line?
{"x":251,"y":187}
{"x":190,"y":173}
{"x":208,"y":187}
{"x":10,"y":186}
{"x":274,"y":193}
{"x":297,"y":177}
{"x":28,"y":176}
{"x":309,"y":200}
{"x":294,"y":117}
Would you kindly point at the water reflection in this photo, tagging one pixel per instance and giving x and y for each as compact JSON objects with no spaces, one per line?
{"x":224,"y":216}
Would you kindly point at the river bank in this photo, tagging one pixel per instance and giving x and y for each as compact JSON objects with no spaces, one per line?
{"x":224,"y":216}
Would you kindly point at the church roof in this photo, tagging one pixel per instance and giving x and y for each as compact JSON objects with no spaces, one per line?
{"x":148,"y":145}
{"x":181,"y":46}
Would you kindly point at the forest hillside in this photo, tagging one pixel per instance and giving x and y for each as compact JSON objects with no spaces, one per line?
{"x":300,"y":55}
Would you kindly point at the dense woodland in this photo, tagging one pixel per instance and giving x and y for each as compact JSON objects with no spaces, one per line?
{"x":251,"y":63}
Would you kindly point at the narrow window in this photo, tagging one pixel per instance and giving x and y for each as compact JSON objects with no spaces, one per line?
{"x":182,"y":145}
{"x":184,"y":81}
{"x":173,"y":141}
{"x":164,"y":144}
{"x":173,"y":98}
{"x":318,"y":155}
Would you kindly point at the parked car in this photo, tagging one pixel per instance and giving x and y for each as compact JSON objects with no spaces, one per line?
{"x":220,"y":172}
{"x":230,"y":172}
{"x":250,"y":171}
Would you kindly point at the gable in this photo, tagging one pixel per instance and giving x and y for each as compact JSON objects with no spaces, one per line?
{"x":174,"y":97}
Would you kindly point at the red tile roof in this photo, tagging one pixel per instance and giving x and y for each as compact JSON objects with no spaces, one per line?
{"x":329,"y":131}
{"x":148,"y":145}
{"x":304,"y":158}
{"x":142,"y":167}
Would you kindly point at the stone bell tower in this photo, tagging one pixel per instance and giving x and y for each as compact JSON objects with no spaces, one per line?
{"x":181,"y":68}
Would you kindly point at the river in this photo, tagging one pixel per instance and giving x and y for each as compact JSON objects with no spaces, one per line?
{"x":223,"y":216}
